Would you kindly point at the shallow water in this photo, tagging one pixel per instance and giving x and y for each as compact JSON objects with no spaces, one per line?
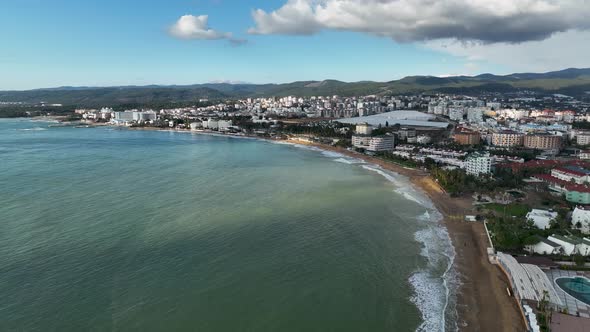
{"x":142,"y":230}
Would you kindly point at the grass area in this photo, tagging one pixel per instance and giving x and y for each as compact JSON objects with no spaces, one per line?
{"x":514,"y":209}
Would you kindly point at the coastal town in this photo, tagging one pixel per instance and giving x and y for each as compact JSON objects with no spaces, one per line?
{"x":295,"y":165}
{"x":522,"y":163}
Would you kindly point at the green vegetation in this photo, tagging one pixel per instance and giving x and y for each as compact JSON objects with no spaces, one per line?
{"x":30,"y":111}
{"x":581,"y":125}
{"x":514,"y":209}
{"x":544,"y":313}
{"x":569,"y":82}
{"x":511,"y":231}
{"x":512,"y":234}
{"x":387,"y":156}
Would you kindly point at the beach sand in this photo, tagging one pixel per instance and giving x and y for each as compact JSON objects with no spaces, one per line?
{"x":482,"y":302}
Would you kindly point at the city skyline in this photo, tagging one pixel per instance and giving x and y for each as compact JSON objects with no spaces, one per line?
{"x":189,"y":42}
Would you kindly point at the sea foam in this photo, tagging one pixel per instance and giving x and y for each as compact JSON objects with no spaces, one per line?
{"x":32,"y":129}
{"x":434,"y":285}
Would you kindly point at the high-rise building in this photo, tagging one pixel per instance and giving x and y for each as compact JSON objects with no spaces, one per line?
{"x":507,"y":138}
{"x":478,"y":164}
{"x":542,"y":142}
{"x":465,"y":136}
{"x":475,"y":115}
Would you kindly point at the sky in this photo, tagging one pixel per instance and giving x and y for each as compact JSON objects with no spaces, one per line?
{"x":139,"y":42}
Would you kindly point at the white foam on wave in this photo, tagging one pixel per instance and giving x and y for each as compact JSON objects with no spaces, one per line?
{"x":32,"y":129}
{"x":436,"y":284}
{"x":403,"y":186}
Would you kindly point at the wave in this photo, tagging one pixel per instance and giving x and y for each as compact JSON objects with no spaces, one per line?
{"x":45,"y":120}
{"x":435,"y":285}
{"x":32,"y":129}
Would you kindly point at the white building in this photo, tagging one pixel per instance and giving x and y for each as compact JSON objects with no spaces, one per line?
{"x":364,"y":129}
{"x":124,"y":116}
{"x":211,"y":124}
{"x":581,"y":216}
{"x":381,"y":143}
{"x":541,"y":218}
{"x":423,"y":139}
{"x":224,"y":125}
{"x":456,"y":113}
{"x":478,"y":164}
{"x":475,"y":115}
{"x":144,"y":116}
{"x":583,"y":139}
{"x":196,"y":125}
{"x":570,"y":246}
{"x":373,"y":144}
{"x":545,"y":247}
{"x":571,"y":173}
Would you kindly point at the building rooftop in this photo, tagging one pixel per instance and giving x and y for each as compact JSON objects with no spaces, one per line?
{"x":562,"y":183}
{"x":528,"y":280}
{"x":570,"y":240}
{"x":403,"y":118}
{"x":574,"y":169}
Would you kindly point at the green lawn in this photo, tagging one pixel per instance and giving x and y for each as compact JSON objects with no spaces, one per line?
{"x":514,"y":209}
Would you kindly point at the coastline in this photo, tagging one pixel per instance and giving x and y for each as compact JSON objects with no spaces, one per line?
{"x":481,"y":300}
{"x":482,"y":303}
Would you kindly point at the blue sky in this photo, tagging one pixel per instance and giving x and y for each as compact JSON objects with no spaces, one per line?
{"x":124,"y":42}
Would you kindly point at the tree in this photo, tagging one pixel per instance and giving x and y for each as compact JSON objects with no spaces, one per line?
{"x":531,"y":240}
{"x":579,"y":260}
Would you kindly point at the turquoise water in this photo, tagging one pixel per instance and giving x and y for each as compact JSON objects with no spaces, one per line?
{"x":118,"y":230}
{"x":577,"y":287}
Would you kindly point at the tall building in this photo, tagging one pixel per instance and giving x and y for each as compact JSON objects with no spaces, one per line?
{"x":475,"y":115}
{"x":364,"y":129}
{"x":456,"y":113}
{"x":542,"y":142}
{"x":405,"y":134}
{"x":478,"y":164}
{"x":465,"y":136}
{"x":583,"y":139}
{"x":507,"y":138}
{"x":373,"y":144}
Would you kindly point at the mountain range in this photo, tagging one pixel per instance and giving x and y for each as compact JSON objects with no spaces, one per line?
{"x":572,"y":81}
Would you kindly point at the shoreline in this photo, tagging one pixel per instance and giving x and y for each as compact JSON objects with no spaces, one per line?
{"x":481,"y":302}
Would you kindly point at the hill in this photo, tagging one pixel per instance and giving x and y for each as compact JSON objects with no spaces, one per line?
{"x":570,"y":81}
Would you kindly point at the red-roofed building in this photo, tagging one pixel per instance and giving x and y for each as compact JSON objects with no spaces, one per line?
{"x":532,"y":164}
{"x":571,"y":173}
{"x":576,"y":193}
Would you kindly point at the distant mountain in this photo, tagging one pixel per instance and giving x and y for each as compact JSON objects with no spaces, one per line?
{"x":570,"y":81}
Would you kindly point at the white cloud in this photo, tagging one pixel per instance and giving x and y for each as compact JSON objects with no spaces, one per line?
{"x":511,"y":21}
{"x":195,"y":27}
{"x":562,"y":50}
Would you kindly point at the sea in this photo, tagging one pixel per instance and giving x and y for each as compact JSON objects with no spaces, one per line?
{"x":109,"y":229}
